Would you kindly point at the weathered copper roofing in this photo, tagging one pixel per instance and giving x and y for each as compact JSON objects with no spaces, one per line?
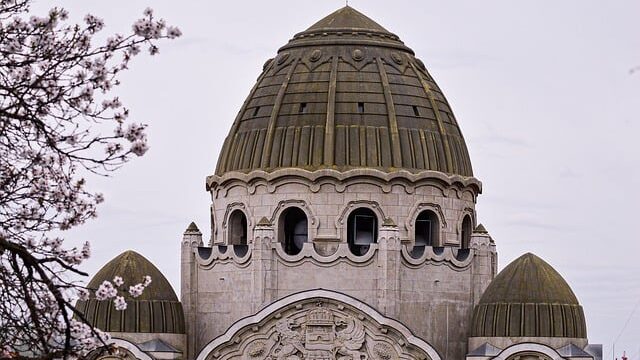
{"x":529,"y":298}
{"x":192,"y":228}
{"x":157,"y":310}
{"x":345,"y":94}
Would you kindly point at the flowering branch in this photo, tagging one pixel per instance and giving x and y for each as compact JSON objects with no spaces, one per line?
{"x":58,"y":119}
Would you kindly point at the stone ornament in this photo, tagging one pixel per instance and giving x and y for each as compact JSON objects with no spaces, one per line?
{"x":315,"y":55}
{"x":320,"y":334}
{"x":282,"y":58}
{"x":357,"y":55}
{"x":396,"y":58}
{"x":316,"y":329}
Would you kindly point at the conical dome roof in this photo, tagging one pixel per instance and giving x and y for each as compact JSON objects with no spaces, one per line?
{"x":529,"y":298}
{"x":346,"y":18}
{"x":157,"y":310}
{"x":345,"y":94}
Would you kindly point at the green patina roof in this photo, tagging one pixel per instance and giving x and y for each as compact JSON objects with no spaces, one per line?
{"x":529,"y":298}
{"x":529,"y":279}
{"x":481,"y":229}
{"x":157,"y":310}
{"x":345,"y":94}
{"x":192,"y":228}
{"x":132,"y":267}
{"x":346,"y":18}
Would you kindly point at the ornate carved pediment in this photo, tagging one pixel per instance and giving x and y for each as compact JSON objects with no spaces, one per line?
{"x":318,"y":325}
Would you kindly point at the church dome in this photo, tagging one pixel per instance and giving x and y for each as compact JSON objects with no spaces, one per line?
{"x":345,"y":94}
{"x":157,"y":310}
{"x":529,"y":298}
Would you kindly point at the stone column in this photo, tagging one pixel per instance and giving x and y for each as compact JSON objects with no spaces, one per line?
{"x":191,"y":239}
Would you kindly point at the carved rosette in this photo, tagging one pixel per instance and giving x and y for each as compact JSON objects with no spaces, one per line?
{"x":318,"y":329}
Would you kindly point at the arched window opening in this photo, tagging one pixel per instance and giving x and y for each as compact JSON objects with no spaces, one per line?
{"x":467,"y":228}
{"x":427,"y":229}
{"x":293,"y":230}
{"x":362,"y":230}
{"x":237,"y":228}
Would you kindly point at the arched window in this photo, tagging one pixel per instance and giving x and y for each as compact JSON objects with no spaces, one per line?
{"x":293,"y":230}
{"x":362,"y":230}
{"x":237,"y":228}
{"x":467,"y":228}
{"x":427,"y":229}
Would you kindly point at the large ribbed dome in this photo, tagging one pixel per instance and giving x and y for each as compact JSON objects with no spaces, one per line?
{"x":345,"y":94}
{"x":529,"y":298}
{"x":157,"y":310}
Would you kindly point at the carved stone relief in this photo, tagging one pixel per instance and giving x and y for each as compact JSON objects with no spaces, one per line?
{"x":318,"y":329}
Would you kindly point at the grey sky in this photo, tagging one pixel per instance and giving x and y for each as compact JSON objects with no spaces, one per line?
{"x":542,"y":90}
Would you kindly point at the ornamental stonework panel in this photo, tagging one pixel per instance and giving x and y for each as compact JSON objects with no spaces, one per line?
{"x":318,"y":330}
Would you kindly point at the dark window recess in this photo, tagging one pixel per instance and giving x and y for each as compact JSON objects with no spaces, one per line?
{"x":361,"y":107}
{"x":237,"y":228}
{"x":416,"y":112}
{"x":467,"y":228}
{"x":423,"y":233}
{"x":362,"y":230}
{"x":303,"y":108}
{"x":255,"y":111}
{"x":293,"y":230}
{"x":427,"y":229}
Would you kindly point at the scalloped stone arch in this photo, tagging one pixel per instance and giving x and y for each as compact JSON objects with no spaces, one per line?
{"x":312,"y":220}
{"x":263,"y":332}
{"x":415,"y":212}
{"x":131,"y":348}
{"x":465,"y":212}
{"x":341,"y":221}
{"x":508,"y":353}
{"x":231,"y":208}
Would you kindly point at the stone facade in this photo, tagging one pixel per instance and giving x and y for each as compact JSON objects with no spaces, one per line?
{"x":432,"y":293}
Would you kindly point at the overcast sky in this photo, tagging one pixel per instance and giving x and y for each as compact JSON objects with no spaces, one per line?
{"x":543,"y":90}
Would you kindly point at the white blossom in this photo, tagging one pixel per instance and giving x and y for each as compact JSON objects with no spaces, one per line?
{"x":82,"y":293}
{"x":120,"y":303}
{"x":173,"y":32}
{"x":139,"y":148}
{"x":106,"y":291}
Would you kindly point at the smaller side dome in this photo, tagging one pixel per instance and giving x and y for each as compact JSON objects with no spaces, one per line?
{"x":529,"y":298}
{"x":157,"y":310}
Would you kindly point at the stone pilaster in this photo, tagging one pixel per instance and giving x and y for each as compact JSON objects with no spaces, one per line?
{"x":485,"y":259}
{"x":262,"y":264}
{"x":191,"y":239}
{"x":389,"y":259}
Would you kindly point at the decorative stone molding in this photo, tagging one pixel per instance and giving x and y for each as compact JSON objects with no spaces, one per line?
{"x":125,"y":350}
{"x":341,"y":180}
{"x":318,"y":324}
{"x":538,"y":349}
{"x":206,"y":257}
{"x":448,"y":256}
{"x":309,"y":252}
